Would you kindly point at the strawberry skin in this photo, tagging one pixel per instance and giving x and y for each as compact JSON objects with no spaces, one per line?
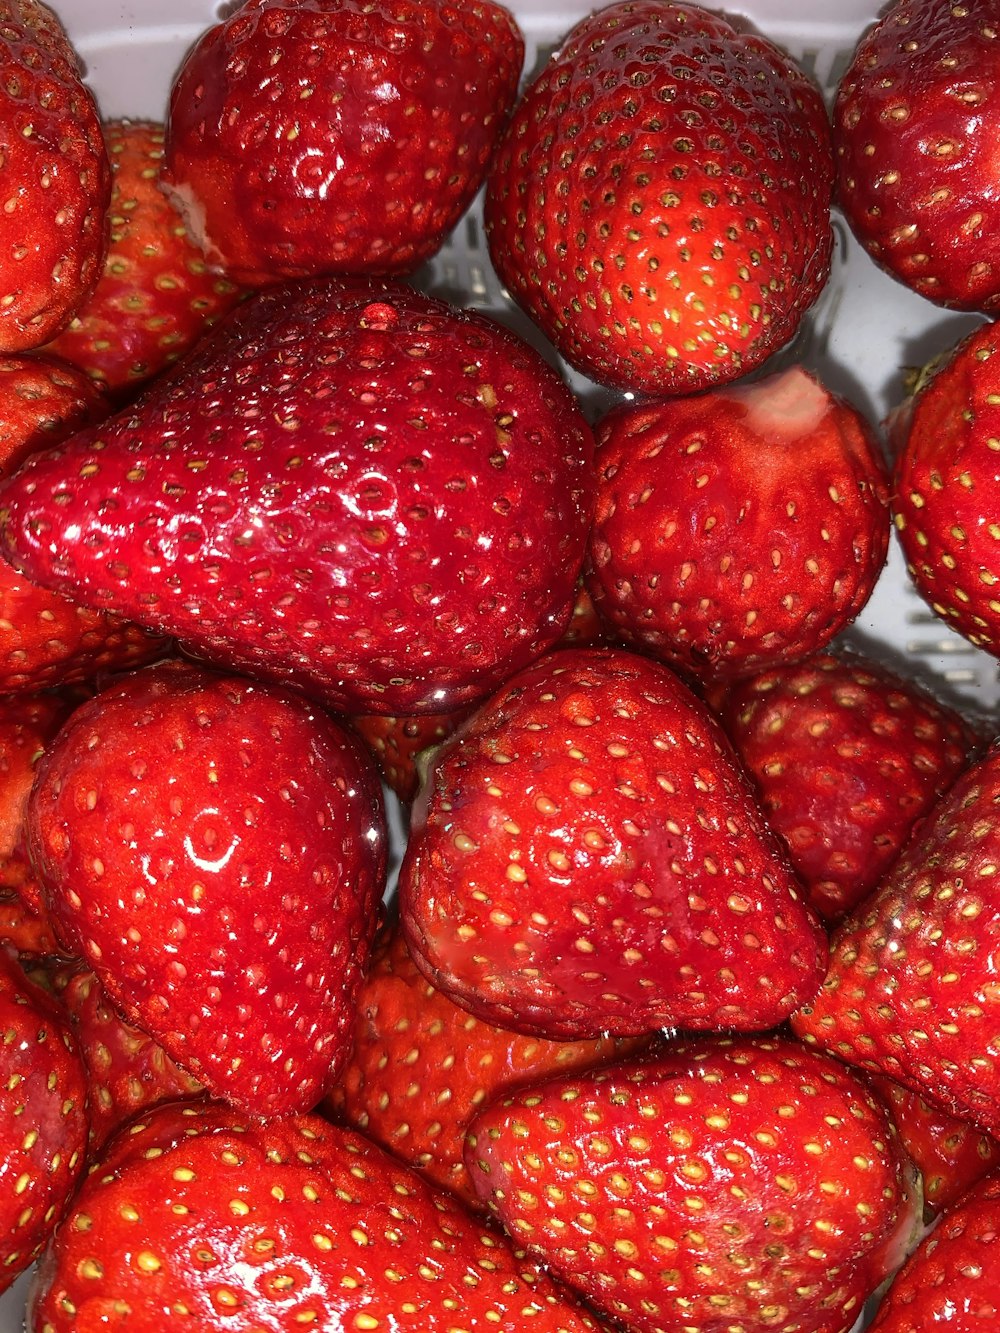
{"x":215,"y":850}
{"x":200,"y":1218}
{"x":660,"y":201}
{"x":587,"y":857}
{"x":743,"y":1184}
{"x":350,"y":486}
{"x":738,"y":528}
{"x":325,"y":136}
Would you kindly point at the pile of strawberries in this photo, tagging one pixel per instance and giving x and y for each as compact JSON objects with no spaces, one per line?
{"x":677,"y":1009}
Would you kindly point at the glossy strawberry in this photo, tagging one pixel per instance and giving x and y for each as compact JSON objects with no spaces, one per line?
{"x":847,"y":756}
{"x":56,"y":177}
{"x":156,"y":295}
{"x":737,"y":529}
{"x":324,"y":136}
{"x":350,"y":486}
{"x":587,"y":856}
{"x":714,"y":1185}
{"x":915,"y":125}
{"x":215,"y":851}
{"x":660,"y":202}
{"x":221,"y":1221}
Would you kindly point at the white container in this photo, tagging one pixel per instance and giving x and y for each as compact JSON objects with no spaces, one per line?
{"x":865,"y":330}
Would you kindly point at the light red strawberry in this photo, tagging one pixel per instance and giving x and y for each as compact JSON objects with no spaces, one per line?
{"x":739,"y":528}
{"x":215,"y":850}
{"x":742,"y":1184}
{"x":587,"y":856}
{"x":660,"y":201}
{"x":350,"y":486}
{"x":331,"y":137}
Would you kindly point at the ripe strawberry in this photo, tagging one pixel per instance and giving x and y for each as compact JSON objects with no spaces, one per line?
{"x":915,"y":125}
{"x":43,"y":1119}
{"x":352,"y":136}
{"x":25,"y":929}
{"x":56,"y":177}
{"x":911,"y":990}
{"x":220,"y":1221}
{"x":351,"y":486}
{"x":946,"y":487}
{"x":156,"y":295}
{"x":847,"y":756}
{"x":587,"y":857}
{"x":215,"y":851}
{"x":42,"y":400}
{"x":742,"y":1184}
{"x":660,"y":201}
{"x":737,"y":529}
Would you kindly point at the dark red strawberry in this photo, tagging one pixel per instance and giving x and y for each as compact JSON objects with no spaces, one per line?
{"x":42,"y":400}
{"x":200,"y":1215}
{"x":215,"y":851}
{"x":587,"y":857}
{"x":739,"y":528}
{"x":915,"y":126}
{"x":156,"y":295}
{"x":324,"y":136}
{"x":57,"y":180}
{"x":660,"y":202}
{"x":716,"y":1185}
{"x":351,"y":486}
{"x":43,"y":1119}
{"x":847,"y":756}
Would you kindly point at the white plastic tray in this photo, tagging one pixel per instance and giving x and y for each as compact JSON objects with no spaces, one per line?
{"x":866,"y":329}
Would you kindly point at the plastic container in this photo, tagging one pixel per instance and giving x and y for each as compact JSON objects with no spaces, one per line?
{"x":865,"y":330}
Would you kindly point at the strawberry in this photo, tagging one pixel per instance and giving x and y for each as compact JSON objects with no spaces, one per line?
{"x":847,"y":756}
{"x":324,"y":136}
{"x":946,"y":488}
{"x":739,"y":528}
{"x":221,"y":1221}
{"x":42,"y":400}
{"x":350,"y":486}
{"x":715,"y":1184}
{"x":43,"y":1119}
{"x":398,"y":744}
{"x":420,"y":1066}
{"x":911,"y":989}
{"x":915,"y":123}
{"x":587,"y":856}
{"x":57,"y":179}
{"x":156,"y":295}
{"x":163,"y":803}
{"x":24,"y":928}
{"x":660,"y":201}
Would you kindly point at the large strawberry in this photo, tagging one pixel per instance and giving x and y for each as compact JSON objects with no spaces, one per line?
{"x":325,"y":136}
{"x":201,"y":1217}
{"x":57,"y":180}
{"x":714,"y":1185}
{"x":915,"y":125}
{"x":215,"y":850}
{"x":587,"y":856}
{"x":738,"y":528}
{"x":660,"y":203}
{"x":352,"y":486}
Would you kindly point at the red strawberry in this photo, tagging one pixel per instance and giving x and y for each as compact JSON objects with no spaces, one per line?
{"x":351,"y":486}
{"x":42,"y":400}
{"x":847,"y":756}
{"x":420,"y":1067}
{"x":56,"y":177}
{"x":915,"y":126}
{"x":215,"y":851}
{"x":587,"y":857}
{"x":739,"y":528}
{"x":24,"y":928}
{"x":43,"y":1119}
{"x":660,"y":202}
{"x":156,"y":295}
{"x":324,"y":136}
{"x":912,"y":989}
{"x":747,"y":1184}
{"x":220,"y":1221}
